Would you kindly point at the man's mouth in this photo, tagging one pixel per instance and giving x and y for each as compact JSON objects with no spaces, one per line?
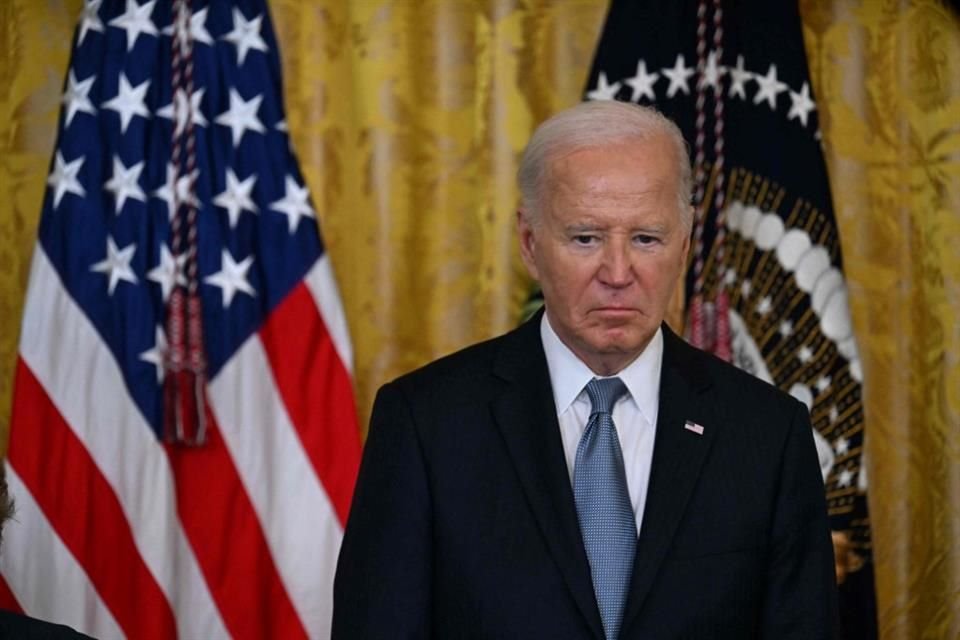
{"x":615,"y":310}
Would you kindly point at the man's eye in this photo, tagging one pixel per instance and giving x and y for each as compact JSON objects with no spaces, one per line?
{"x":584,"y":239}
{"x":644,"y":239}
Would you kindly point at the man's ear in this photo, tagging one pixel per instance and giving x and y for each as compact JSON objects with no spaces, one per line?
{"x":528,"y":243}
{"x":686,"y":238}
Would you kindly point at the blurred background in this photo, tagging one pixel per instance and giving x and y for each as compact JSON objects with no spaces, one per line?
{"x":408,"y":118}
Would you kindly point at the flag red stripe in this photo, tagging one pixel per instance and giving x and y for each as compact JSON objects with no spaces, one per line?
{"x":75,"y":498}
{"x":226,"y":536}
{"x":316,"y":391}
{"x":8,"y":601}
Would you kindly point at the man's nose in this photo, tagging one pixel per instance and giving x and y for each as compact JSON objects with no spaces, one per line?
{"x":616,"y":270}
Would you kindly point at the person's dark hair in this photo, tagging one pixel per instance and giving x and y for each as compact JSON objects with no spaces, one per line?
{"x":6,"y":502}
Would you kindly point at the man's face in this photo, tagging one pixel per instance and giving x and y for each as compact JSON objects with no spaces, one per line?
{"x":608,"y":248}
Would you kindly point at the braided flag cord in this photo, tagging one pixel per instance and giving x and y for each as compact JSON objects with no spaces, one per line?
{"x":184,"y":382}
{"x":709,"y":326}
{"x":184,"y":441}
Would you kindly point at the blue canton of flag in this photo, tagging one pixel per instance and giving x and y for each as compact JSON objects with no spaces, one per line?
{"x":106,"y":219}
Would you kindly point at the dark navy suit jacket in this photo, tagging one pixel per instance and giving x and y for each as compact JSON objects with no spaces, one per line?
{"x":463,"y":523}
{"x":16,"y":626}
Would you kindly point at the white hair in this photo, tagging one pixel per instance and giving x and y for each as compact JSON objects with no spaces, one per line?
{"x":596,"y":124}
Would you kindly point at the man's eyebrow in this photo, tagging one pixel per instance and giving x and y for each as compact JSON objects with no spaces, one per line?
{"x":651,"y":228}
{"x":582,"y":226}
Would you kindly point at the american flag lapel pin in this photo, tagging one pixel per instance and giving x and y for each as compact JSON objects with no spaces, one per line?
{"x":690,"y":425}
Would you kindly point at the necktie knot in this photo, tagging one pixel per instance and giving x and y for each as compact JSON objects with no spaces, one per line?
{"x":604,"y":393}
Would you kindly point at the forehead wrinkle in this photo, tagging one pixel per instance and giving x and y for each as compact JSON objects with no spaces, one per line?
{"x":602,"y":204}
{"x":588,"y":188}
{"x":652,"y":227}
{"x":594,"y":186}
{"x":600,"y":200}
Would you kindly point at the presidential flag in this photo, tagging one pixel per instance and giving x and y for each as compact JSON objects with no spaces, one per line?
{"x":766,"y":287}
{"x":184,"y":441}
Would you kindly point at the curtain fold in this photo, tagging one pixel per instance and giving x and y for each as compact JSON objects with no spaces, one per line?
{"x":409,"y":118}
{"x":887,"y":80}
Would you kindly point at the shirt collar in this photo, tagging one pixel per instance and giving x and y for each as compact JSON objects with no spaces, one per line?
{"x":569,"y":375}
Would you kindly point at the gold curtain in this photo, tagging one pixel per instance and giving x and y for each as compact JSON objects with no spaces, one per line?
{"x":887,"y":77}
{"x":408,"y":115}
{"x":408,"y":118}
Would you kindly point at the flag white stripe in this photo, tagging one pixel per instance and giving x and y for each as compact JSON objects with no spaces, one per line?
{"x":323,"y":287}
{"x":297,"y":517}
{"x":32,"y":554}
{"x":82,"y":379}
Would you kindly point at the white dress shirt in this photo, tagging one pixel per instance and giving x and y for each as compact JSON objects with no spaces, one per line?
{"x":635,"y":414}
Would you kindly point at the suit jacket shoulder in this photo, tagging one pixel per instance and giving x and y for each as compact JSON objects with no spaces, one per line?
{"x":448,"y":387}
{"x":21,"y":627}
{"x":702,"y":370}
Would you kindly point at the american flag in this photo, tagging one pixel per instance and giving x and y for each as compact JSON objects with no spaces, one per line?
{"x":119,"y":531}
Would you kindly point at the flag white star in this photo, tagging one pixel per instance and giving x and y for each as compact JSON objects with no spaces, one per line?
{"x":232,"y":277}
{"x":294,"y":203}
{"x":842,"y":446}
{"x":245,"y":35}
{"x":129,"y":101}
{"x":766,"y":304}
{"x":604,"y":90}
{"x":77,"y":97}
{"x":168,"y":272}
{"x":786,"y":328}
{"x":184,"y":190}
{"x":642,"y":83}
{"x":846,"y":477}
{"x":712,"y":72}
{"x":117,"y":264}
{"x":241,"y":115}
{"x":136,"y":20}
{"x":823,"y":383}
{"x":678,"y":74}
{"x":90,"y":20}
{"x":63,"y":179}
{"x":801,"y":105}
{"x":281,"y":126}
{"x":236,"y":197}
{"x":183,"y":110}
{"x":125,"y":183}
{"x":770,"y":87}
{"x":805,"y":354}
{"x":155,"y":354}
{"x":198,"y":28}
{"x":834,"y":414}
{"x":745,"y":288}
{"x":738,"y":79}
{"x":730,"y":277}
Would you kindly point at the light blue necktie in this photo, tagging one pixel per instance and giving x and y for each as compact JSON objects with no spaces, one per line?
{"x":606,"y":516}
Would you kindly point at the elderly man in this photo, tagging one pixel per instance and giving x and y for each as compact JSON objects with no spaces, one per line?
{"x":589,"y":475}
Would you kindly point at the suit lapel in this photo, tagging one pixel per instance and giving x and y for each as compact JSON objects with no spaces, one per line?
{"x":677,"y":458}
{"x":526,"y":415}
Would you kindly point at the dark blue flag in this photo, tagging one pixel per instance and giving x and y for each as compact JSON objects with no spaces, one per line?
{"x":766,"y":285}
